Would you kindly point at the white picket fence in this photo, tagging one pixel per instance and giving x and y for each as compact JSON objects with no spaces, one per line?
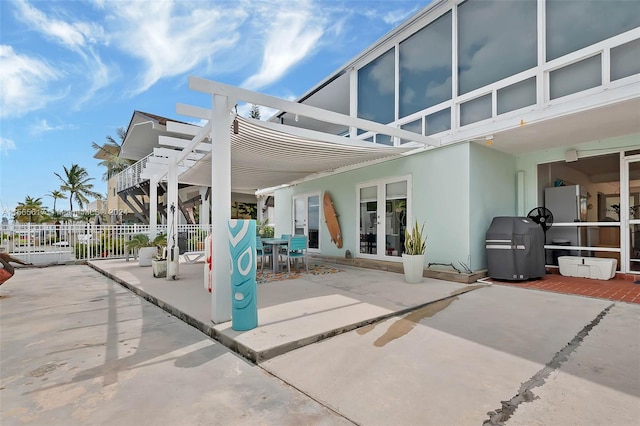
{"x":43,"y":244}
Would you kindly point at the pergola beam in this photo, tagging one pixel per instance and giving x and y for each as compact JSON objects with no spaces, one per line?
{"x":236,"y":94}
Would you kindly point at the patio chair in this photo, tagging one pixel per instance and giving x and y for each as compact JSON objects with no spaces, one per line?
{"x":262,"y":251}
{"x":297,"y":249}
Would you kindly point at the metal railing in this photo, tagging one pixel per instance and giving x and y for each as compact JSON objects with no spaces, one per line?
{"x":43,"y":244}
{"x":130,"y":176}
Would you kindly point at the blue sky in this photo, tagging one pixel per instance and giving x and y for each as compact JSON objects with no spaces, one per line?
{"x":72,"y":72}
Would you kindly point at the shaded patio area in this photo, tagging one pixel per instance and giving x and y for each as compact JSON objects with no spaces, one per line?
{"x":291,"y":313}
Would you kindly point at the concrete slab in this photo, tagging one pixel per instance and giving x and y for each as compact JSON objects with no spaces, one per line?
{"x":291,"y":313}
{"x":599,"y":383}
{"x":451,"y":362}
{"x":79,"y":349}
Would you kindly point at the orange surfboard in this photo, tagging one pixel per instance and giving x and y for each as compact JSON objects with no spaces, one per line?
{"x":331,"y":219}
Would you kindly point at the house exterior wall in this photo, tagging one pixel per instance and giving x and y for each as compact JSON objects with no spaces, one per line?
{"x":439,"y":192}
{"x":492,"y":193}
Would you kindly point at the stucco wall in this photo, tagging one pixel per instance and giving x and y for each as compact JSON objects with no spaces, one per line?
{"x":440,"y":198}
{"x":493,"y":193}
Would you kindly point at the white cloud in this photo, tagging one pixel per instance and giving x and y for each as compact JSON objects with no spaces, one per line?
{"x":171,"y":37}
{"x":42,"y":127}
{"x":292,"y":33}
{"x":25,"y":83}
{"x":79,"y":37}
{"x":6,"y":145}
{"x":74,"y":35}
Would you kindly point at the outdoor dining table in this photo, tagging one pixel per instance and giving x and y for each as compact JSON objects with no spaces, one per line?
{"x":275,"y":243}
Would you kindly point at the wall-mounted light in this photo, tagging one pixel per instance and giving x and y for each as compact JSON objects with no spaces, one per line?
{"x":296,"y":118}
{"x":571,"y":156}
{"x":488,"y":140}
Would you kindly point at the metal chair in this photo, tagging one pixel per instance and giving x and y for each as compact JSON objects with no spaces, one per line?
{"x":297,"y":249}
{"x":262,"y":252}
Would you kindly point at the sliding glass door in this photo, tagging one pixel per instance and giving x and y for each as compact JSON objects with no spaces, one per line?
{"x":631,"y":209}
{"x":306,"y":218}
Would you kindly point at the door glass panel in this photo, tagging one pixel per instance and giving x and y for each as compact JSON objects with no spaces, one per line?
{"x":395,"y":217}
{"x":299,"y":216}
{"x":314,"y":221}
{"x":634,"y":216}
{"x":368,"y":220}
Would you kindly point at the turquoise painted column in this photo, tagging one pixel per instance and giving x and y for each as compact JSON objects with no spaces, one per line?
{"x":242,"y":250}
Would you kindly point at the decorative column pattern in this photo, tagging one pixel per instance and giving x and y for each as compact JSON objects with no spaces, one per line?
{"x":242,"y":249}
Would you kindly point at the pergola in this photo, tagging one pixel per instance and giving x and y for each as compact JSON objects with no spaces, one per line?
{"x":249,"y":155}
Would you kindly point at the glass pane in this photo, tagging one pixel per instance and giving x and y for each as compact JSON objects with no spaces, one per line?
{"x":625,"y":60}
{"x":299,"y":216}
{"x":634,"y":190}
{"x":395,"y":225}
{"x":574,"y":24}
{"x":605,"y":238}
{"x":376,"y":89}
{"x":475,"y":110}
{"x":438,"y":122}
{"x":384,"y":140}
{"x":634,"y":252}
{"x":576,"y":77}
{"x":496,"y":39}
{"x":396,"y":190}
{"x":425,"y":67}
{"x":368,"y":220}
{"x":314,"y":221}
{"x":517,"y":96}
{"x":414,"y":126}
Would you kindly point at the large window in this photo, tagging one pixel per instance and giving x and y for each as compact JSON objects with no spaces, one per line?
{"x":496,"y":39}
{"x":425,"y":67}
{"x":574,"y":24}
{"x":376,"y":89}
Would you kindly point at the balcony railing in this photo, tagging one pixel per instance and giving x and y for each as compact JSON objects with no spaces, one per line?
{"x":131,"y":176}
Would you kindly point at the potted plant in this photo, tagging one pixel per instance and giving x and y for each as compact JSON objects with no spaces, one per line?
{"x":147,"y":249}
{"x":415,"y":246}
{"x":159,"y":260}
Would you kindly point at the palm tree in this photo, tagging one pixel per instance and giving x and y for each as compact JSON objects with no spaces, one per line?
{"x":76,"y":183}
{"x":29,"y":210}
{"x":56,"y":195}
{"x":109,"y":154}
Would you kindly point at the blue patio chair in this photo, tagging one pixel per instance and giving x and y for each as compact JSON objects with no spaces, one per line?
{"x":297,"y":249}
{"x":262,"y":252}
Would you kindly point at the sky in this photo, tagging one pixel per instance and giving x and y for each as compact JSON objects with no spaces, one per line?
{"x":72,"y":72}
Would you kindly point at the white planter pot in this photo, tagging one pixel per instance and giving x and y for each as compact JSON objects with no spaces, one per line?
{"x":159,"y":268}
{"x":145,"y":254}
{"x":413,"y":267}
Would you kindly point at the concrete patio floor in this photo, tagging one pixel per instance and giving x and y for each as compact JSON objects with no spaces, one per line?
{"x":291,"y":313}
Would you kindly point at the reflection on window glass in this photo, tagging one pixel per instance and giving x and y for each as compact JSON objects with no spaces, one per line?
{"x":376,"y":89}
{"x":576,"y":77}
{"x":574,"y":24}
{"x":517,"y":96}
{"x":438,"y":122}
{"x":625,"y":60}
{"x":425,"y":67}
{"x":496,"y":39}
{"x":475,"y":110}
{"x":414,"y":126}
{"x":384,"y":140}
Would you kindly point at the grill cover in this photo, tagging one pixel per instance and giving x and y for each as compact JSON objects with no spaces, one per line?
{"x":515,"y":249}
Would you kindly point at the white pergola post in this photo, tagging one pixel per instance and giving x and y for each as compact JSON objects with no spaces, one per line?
{"x":173,"y":252}
{"x":204,"y":207}
{"x":153,"y":207}
{"x":221,"y":193}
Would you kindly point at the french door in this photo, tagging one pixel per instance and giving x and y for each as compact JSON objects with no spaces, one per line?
{"x":630,"y":213}
{"x":306,"y":218}
{"x":383,"y":208}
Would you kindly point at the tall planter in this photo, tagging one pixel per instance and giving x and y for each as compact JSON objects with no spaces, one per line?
{"x":145,"y":255}
{"x":413,"y":267}
{"x":413,"y":257}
